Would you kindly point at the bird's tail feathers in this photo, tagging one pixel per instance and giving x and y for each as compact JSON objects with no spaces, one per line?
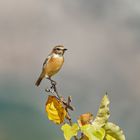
{"x":39,"y":80}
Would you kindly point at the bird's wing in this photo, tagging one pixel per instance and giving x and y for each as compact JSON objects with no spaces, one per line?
{"x":46,"y":60}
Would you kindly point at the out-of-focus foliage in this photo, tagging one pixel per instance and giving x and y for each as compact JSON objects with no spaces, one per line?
{"x":113,"y":132}
{"x":70,"y":131}
{"x":92,"y":132}
{"x":103,"y":112}
{"x":56,"y":111}
{"x":84,"y":119}
{"x":90,"y":128}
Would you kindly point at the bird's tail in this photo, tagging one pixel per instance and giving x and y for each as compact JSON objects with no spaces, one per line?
{"x":39,"y":80}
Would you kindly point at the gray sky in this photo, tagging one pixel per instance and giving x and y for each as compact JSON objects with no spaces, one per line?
{"x":103,"y":39}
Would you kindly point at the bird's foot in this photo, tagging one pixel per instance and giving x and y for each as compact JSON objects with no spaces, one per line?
{"x":53,"y":86}
{"x":49,"y":90}
{"x":52,"y":82}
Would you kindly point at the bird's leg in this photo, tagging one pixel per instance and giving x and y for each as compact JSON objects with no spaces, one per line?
{"x":53,"y":86}
{"x":53,"y":82}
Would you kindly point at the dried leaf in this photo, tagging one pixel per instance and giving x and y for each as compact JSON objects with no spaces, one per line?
{"x":84,"y":119}
{"x":56,"y":111}
{"x":84,"y":137}
{"x":70,"y":131}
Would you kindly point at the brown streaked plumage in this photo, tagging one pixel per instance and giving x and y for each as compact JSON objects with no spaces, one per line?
{"x":52,"y":64}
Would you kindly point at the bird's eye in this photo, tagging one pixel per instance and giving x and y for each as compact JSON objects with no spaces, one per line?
{"x":58,"y":49}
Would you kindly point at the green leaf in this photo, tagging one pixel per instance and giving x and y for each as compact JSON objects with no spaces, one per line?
{"x":92,"y":132}
{"x":108,"y":137}
{"x":113,"y":132}
{"x":103,"y":113}
{"x":70,"y":131}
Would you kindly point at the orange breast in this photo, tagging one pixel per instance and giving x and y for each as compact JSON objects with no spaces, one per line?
{"x":53,"y":66}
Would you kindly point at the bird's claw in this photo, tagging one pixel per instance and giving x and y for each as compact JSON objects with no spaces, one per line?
{"x":53,"y":83}
{"x":51,"y":90}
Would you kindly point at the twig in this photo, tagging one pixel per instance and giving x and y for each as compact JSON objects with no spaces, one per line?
{"x":68,"y":114}
{"x":67,"y":104}
{"x":53,"y":86}
{"x":53,"y":90}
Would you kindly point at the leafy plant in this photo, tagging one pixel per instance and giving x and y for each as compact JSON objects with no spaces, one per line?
{"x":87,"y":127}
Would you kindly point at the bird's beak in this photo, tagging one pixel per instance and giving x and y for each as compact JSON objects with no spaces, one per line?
{"x":65,"y":49}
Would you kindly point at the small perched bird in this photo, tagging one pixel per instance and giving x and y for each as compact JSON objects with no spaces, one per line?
{"x":52,"y":64}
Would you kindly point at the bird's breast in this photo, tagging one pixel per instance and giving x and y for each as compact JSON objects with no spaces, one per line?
{"x":54,"y":65}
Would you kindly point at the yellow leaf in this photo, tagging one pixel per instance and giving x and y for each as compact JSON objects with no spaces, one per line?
{"x":103,"y":113}
{"x":92,"y":132}
{"x":56,"y":111}
{"x":108,"y":137}
{"x":70,"y":131}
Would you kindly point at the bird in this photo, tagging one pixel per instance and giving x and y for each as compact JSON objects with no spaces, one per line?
{"x":52,"y":63}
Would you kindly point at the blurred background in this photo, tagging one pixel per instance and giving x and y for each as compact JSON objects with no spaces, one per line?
{"x":103,"y":41}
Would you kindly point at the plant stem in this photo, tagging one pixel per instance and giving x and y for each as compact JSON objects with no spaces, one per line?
{"x":65,"y":103}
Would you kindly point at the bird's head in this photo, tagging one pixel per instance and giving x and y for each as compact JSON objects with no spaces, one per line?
{"x":59,"y":49}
